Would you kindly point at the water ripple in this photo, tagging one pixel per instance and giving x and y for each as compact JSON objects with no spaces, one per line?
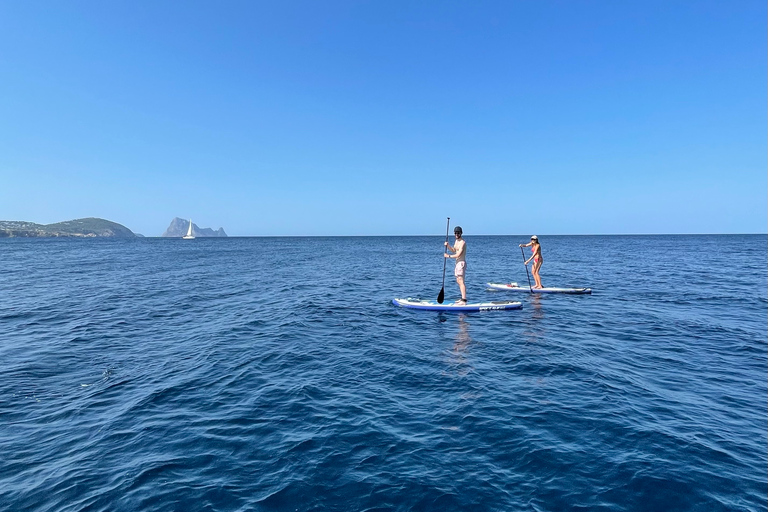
{"x":274,"y":374}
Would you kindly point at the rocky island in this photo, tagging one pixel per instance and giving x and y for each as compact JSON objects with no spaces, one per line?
{"x":90,"y":227}
{"x":178,"y":228}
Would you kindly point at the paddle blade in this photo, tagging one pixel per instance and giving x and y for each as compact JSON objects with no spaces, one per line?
{"x":441,"y":296}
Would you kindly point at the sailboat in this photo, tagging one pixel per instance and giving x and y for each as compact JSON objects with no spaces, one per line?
{"x":189,"y":235}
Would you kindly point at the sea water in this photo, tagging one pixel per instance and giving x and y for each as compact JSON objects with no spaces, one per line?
{"x":275,"y":374}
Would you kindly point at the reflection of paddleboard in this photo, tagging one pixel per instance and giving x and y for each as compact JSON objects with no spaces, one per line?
{"x":450,"y":306}
{"x":514,"y":287}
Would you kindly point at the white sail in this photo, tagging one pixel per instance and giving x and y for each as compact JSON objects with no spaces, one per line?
{"x":189,"y":235}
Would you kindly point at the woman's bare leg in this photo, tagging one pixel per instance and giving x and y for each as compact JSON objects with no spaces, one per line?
{"x":536,"y":275}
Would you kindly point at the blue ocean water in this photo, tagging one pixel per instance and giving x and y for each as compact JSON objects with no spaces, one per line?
{"x":275,"y":374}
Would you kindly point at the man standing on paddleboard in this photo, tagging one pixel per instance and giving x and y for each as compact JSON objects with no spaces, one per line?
{"x":459,"y":251}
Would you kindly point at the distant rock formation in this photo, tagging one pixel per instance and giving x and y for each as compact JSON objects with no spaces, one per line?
{"x":178,"y":228}
{"x":90,"y":227}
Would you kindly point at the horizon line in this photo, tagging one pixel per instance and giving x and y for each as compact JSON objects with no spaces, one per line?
{"x":481,"y":234}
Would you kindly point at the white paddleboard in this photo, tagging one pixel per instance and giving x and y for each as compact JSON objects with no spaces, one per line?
{"x":452,"y":306}
{"x":514,"y":287}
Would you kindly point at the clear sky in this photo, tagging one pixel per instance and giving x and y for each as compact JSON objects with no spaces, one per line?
{"x":384,"y":117}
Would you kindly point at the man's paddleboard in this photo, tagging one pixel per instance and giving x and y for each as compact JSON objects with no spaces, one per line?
{"x":452,"y":306}
{"x":514,"y":287}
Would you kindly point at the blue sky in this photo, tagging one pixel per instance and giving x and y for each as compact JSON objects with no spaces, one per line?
{"x":385,"y":117}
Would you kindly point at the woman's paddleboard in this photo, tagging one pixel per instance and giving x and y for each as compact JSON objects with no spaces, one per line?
{"x":452,"y":306}
{"x":514,"y":287}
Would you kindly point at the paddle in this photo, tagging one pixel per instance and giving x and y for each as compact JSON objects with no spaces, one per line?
{"x":526,"y":270}
{"x":441,"y":295}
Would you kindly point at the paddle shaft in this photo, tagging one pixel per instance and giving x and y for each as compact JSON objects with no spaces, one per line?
{"x":526,"y":270}
{"x":441,"y":295}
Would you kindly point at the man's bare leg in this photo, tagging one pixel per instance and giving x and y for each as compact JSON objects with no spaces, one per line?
{"x":463,"y":289}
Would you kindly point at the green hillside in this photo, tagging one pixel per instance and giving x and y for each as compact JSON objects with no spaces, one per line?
{"x":88,"y":228}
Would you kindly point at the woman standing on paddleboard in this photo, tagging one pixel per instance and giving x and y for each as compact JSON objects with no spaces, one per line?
{"x":537,"y":259}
